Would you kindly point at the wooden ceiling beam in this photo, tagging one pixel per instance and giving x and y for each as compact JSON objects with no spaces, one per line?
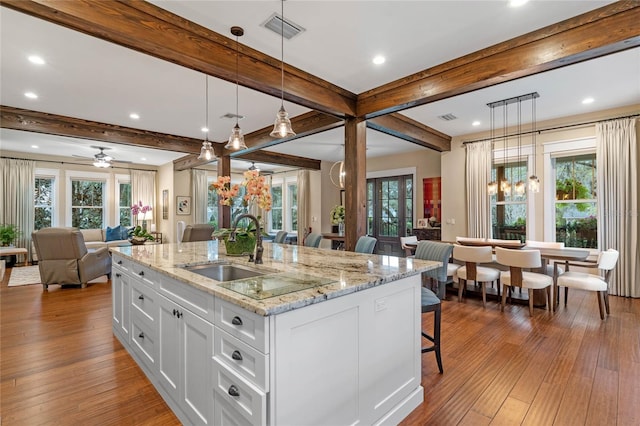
{"x":609,"y":29}
{"x":281,"y":159}
{"x":149,"y":29}
{"x":41,"y":122}
{"x":410,"y":130}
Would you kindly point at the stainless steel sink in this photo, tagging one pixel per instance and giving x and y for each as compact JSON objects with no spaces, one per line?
{"x":224,"y":271}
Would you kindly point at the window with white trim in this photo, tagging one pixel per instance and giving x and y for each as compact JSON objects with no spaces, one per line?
{"x":44,"y":201}
{"x":508,"y":209}
{"x":123,"y":188}
{"x":284,"y":204}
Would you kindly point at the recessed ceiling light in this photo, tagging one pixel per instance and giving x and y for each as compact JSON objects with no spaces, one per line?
{"x":34,"y":59}
{"x":378,"y":60}
{"x":143,"y":159}
{"x":587,"y":101}
{"x":134,"y":116}
{"x":204,"y":130}
{"x":517,"y":3}
{"x":475,"y":123}
{"x":35,"y":146}
{"x":31,"y":95}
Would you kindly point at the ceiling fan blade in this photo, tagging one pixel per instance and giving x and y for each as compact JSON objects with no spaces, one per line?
{"x":82,"y":156}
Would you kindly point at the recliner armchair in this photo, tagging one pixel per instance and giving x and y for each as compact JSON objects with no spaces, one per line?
{"x":198,"y":232}
{"x":63,"y":258}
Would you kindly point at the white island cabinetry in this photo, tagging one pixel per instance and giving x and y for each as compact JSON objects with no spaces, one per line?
{"x":352,"y":359}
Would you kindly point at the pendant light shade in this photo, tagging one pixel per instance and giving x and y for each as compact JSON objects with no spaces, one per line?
{"x":282,"y":126}
{"x":236,"y":139}
{"x":206,"y":152}
{"x":534,"y":182}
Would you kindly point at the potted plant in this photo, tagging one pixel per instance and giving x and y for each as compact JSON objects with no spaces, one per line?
{"x":8,"y":234}
{"x":258,"y":194}
{"x":139,"y":235}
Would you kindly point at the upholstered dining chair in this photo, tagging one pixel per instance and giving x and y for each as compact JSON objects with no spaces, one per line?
{"x":197,"y":232}
{"x":431,"y":303}
{"x":403,"y":244}
{"x":517,"y":260}
{"x":365,"y":244}
{"x":63,"y":258}
{"x":440,"y":252}
{"x":546,"y":244}
{"x":470,"y":271}
{"x":281,"y":237}
{"x":591,"y":282}
{"x":313,"y":240}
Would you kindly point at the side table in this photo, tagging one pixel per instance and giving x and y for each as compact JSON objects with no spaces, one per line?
{"x":10,"y":251}
{"x":157,"y":236}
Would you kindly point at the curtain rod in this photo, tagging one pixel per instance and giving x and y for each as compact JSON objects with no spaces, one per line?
{"x":77,"y":164}
{"x":548,"y":129}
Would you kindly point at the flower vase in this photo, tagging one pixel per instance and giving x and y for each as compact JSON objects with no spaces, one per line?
{"x":244,"y":244}
{"x":341,"y":228}
{"x":144,"y":225}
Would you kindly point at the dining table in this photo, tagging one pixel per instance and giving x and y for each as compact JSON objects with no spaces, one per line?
{"x":338,"y":238}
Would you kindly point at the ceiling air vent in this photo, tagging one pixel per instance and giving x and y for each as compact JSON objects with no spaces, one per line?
{"x":275,"y":23}
{"x":447,"y":117}
{"x":231,"y":116}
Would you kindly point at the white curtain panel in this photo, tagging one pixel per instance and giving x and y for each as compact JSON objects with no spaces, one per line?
{"x":17,"y":181}
{"x":200,"y":195}
{"x":304,"y":210}
{"x":478,"y":203}
{"x":143,"y":188}
{"x":617,"y":161}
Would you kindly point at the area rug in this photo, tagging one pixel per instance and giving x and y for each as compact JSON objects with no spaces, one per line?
{"x":28,"y":275}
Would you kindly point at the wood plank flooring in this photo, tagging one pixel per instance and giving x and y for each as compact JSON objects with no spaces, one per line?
{"x":61,"y":365}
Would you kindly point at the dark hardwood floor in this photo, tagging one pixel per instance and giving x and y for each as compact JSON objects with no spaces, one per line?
{"x":61,"y":365}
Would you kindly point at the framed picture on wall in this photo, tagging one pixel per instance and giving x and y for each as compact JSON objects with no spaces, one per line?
{"x":183,"y":205}
{"x":165,"y":204}
{"x":422,"y":223}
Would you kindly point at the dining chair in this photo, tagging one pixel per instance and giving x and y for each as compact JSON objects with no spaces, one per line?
{"x":281,"y":237}
{"x":313,"y":240}
{"x":470,"y":271}
{"x":403,"y":244}
{"x":607,"y":260}
{"x":546,"y":244}
{"x":365,"y":244}
{"x":439,"y":252}
{"x":517,"y":260}
{"x":431,"y":303}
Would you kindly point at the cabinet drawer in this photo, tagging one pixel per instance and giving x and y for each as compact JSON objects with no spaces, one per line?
{"x":242,"y":396}
{"x":143,"y":300}
{"x":197,"y":301}
{"x":226,"y":415}
{"x":143,"y":339}
{"x":144,"y":274}
{"x":247,"y":326}
{"x":242,"y":358}
{"x":121,"y":262}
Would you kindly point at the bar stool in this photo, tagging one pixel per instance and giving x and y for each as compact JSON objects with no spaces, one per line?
{"x":431,"y":303}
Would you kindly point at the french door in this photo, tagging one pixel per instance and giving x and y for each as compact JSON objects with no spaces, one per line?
{"x":390,"y":212}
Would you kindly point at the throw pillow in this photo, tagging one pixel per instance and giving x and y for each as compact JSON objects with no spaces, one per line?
{"x":114,"y":234}
{"x":125,"y":232}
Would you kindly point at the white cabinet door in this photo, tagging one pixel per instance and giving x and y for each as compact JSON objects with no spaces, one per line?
{"x":197,"y":344}
{"x":184,"y":361}
{"x":121,"y":295}
{"x":169,"y":331}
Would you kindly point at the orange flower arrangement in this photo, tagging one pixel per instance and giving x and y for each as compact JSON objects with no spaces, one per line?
{"x":256,"y":187}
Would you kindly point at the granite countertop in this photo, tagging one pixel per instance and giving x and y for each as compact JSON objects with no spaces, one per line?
{"x":346,"y":272}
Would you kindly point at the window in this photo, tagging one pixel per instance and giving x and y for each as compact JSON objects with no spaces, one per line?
{"x":87,"y":203}
{"x":575,"y":200}
{"x":212,"y":204}
{"x":292,"y":206}
{"x":508,"y":210}
{"x":124,"y":200}
{"x":44,"y":202}
{"x":276,"y":207}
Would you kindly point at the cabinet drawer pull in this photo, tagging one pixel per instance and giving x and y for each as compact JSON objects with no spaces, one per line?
{"x":179,"y":314}
{"x":236,"y":355}
{"x":233,"y":391}
{"x":141,"y":297}
{"x":141,"y":273}
{"x":141,"y":335}
{"x":175,"y":311}
{"x":118,"y":275}
{"x":236,"y":321}
{"x":119,"y":262}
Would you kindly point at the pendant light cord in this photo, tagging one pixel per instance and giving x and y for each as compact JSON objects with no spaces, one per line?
{"x":533,"y":133}
{"x":206,"y":106}
{"x":282,"y":52}
{"x":237,"y":55}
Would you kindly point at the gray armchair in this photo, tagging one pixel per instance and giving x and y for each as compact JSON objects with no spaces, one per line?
{"x":63,"y":258}
{"x":198,"y":232}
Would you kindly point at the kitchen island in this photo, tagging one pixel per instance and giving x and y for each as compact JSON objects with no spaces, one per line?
{"x":315,"y":337}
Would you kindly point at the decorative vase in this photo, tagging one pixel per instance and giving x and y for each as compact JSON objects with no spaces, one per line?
{"x":341,"y":228}
{"x":244,"y":244}
{"x":136,"y":241}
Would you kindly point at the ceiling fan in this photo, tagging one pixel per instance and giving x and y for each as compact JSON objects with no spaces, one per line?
{"x":259,"y":170}
{"x":101,"y":159}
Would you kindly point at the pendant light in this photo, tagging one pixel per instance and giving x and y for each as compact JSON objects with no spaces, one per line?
{"x":520,"y":186}
{"x":206,"y":152}
{"x":492,"y":187}
{"x":505,"y":185}
{"x":282,"y":126}
{"x":534,"y":182}
{"x":236,"y":140}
